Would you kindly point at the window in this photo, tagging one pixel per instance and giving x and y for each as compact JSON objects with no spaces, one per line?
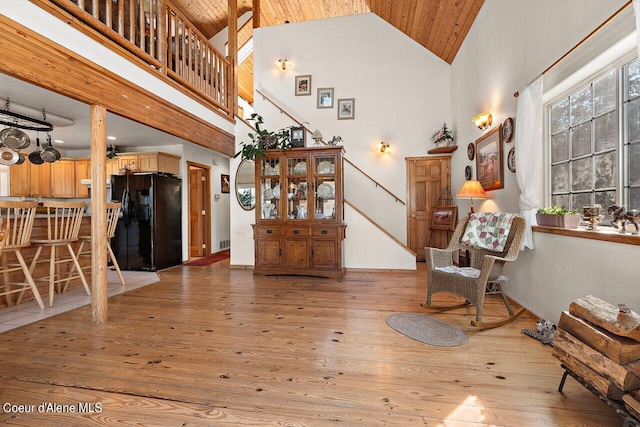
{"x":593,"y":158}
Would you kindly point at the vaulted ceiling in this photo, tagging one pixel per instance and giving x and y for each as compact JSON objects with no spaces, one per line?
{"x":438,"y":25}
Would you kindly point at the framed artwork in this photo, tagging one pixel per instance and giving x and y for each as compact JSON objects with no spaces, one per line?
{"x":507,"y":130}
{"x":346,"y":109}
{"x":325,"y":97}
{"x":297,"y":136}
{"x":444,"y":217}
{"x":511,"y":159}
{"x":303,"y":85}
{"x":224,"y":183}
{"x":489,"y":160}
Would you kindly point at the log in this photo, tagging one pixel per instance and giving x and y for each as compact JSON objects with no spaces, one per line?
{"x":621,"y":350}
{"x":604,"y":386}
{"x":607,"y":316}
{"x":596,"y":361}
{"x":633,"y":406}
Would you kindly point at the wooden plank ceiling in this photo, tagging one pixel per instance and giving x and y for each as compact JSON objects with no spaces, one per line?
{"x":438,"y":25}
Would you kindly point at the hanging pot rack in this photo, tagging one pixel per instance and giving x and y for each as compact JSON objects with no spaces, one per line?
{"x":20,"y":121}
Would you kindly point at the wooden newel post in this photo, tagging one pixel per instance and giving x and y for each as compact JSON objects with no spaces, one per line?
{"x":98,"y":214}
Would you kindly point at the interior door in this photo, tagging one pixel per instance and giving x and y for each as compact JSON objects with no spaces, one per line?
{"x":426,"y":176}
{"x":196,"y":208}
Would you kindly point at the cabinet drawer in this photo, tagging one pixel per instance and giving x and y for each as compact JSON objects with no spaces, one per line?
{"x":268,"y":231}
{"x":296,"y":231}
{"x":329,"y":232}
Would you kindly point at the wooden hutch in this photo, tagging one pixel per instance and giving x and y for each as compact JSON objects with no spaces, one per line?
{"x":299,"y":225}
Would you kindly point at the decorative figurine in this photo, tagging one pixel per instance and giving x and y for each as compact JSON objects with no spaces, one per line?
{"x":621,"y":217}
{"x":334,"y":141}
{"x":592,"y":215}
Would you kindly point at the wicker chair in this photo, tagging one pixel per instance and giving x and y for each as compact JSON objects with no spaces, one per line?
{"x":486,"y":268}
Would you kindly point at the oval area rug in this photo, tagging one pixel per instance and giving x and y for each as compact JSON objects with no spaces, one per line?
{"x":427,"y":329}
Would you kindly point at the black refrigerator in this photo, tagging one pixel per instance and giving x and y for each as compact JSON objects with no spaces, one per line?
{"x":149,"y":232}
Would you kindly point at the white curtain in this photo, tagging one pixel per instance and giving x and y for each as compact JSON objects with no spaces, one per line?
{"x":529,"y":154}
{"x":636,"y":10}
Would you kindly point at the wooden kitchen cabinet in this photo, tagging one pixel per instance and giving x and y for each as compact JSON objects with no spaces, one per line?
{"x":159,"y":162}
{"x":29,"y":180}
{"x":63,"y":178}
{"x":299,"y":213}
{"x":82,"y":171}
{"x":112,"y":166}
{"x":129,"y":160}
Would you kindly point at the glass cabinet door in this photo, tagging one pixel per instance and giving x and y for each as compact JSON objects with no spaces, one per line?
{"x":297,"y":188}
{"x":270,"y":189}
{"x":325,"y":187}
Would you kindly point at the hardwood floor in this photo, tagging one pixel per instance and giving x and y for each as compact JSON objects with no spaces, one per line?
{"x":216,"y":346}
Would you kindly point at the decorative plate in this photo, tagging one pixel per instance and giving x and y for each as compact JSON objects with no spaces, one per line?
{"x":471,"y":151}
{"x":276,"y":192}
{"x":467,"y":173}
{"x":268,"y":194}
{"x":325,"y":167}
{"x":511,"y":159}
{"x":507,"y":130}
{"x":300,"y":168}
{"x":325,"y":191}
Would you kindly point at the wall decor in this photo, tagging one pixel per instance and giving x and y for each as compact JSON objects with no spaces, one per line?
{"x":471,"y":151}
{"x":507,"y":130}
{"x":444,"y":218}
{"x":303,"y":85}
{"x":224,"y":184}
{"x":489,"y":160}
{"x":511,"y":159}
{"x":468,"y":173}
{"x":346,"y":108}
{"x":325,"y":97}
{"x":297,"y":136}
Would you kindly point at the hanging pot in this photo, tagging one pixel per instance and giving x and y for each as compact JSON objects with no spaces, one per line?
{"x":14,"y":138}
{"x":34,"y":156}
{"x":8,"y":157}
{"x":21,"y":159}
{"x":50,"y":154}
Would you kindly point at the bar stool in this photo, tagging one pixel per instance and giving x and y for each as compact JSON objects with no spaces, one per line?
{"x":63,"y":226}
{"x":18,"y":218}
{"x":84,"y":251}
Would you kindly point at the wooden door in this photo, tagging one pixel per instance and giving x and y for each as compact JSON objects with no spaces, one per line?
{"x":196,"y":211}
{"x":426,"y":176}
{"x":268,"y":252}
{"x":41,"y":180}
{"x":296,"y":253}
{"x":324,"y":253}
{"x":83,"y":171}
{"x":63,"y":178}
{"x":20,"y":180}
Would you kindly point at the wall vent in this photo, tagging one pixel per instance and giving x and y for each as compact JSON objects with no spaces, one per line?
{"x":224,"y":244}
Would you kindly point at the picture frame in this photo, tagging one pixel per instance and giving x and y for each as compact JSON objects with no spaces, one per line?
{"x":489,"y":170}
{"x":444,"y":218}
{"x":468,"y":173}
{"x":346,"y":109}
{"x":225,"y":186}
{"x":297,"y":137}
{"x":325,"y":97}
{"x":303,"y":85}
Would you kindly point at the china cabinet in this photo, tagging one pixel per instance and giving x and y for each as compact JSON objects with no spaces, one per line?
{"x":299,"y":218}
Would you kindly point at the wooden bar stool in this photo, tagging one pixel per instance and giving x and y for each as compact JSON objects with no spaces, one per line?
{"x":84,"y":251}
{"x":18,"y":218}
{"x":63,"y":226}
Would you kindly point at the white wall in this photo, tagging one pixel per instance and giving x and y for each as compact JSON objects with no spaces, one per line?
{"x":509,"y":44}
{"x":401,"y":91}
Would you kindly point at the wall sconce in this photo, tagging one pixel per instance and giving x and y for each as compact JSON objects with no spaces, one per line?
{"x":483,"y":120}
{"x":317,"y":137}
{"x":284,"y":64}
{"x":383,"y":147}
{"x":472,"y":189}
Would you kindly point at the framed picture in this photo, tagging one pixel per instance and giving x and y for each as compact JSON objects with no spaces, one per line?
{"x":489,"y":160}
{"x":444,"y":217}
{"x":468,"y":173}
{"x":297,"y":136}
{"x":224,"y":183}
{"x":346,"y":108}
{"x":303,"y":85}
{"x":325,"y":97}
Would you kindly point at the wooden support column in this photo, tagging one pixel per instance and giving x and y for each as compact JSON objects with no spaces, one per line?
{"x":256,"y":13}
{"x":98,"y":214}
{"x":233,"y":53}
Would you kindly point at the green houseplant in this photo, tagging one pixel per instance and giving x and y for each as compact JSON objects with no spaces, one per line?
{"x":443,"y":136}
{"x":558,"y":216}
{"x":263,"y":140}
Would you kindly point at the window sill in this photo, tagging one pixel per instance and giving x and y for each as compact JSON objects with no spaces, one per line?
{"x":603,"y":234}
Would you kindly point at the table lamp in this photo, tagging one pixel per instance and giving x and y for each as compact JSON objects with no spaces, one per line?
{"x":472,"y":189}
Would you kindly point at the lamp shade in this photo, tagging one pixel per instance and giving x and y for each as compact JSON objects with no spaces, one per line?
{"x":316,"y":135}
{"x":472,"y":189}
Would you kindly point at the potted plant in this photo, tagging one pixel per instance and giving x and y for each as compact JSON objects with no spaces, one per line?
{"x":263,"y":140}
{"x":442,"y":137}
{"x":558,"y":216}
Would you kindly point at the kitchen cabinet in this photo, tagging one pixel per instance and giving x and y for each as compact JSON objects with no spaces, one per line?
{"x":29,"y":180}
{"x":63,"y":178}
{"x":299,"y":225}
{"x":128,"y":160}
{"x":82,"y":171}
{"x":113,"y":167}
{"x":159,"y":162}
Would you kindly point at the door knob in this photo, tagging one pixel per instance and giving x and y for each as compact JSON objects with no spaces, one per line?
{"x":413,"y":215}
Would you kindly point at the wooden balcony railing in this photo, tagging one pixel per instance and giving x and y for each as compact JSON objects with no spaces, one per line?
{"x":157,"y":33}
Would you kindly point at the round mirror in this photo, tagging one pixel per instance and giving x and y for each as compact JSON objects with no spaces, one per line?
{"x":246,"y":184}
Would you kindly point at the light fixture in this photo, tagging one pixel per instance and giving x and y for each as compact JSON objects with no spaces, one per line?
{"x":111,"y":138}
{"x":284,"y":64}
{"x":317,"y":137}
{"x":483,"y":120}
{"x":472,"y":189}
{"x":383,"y":147}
